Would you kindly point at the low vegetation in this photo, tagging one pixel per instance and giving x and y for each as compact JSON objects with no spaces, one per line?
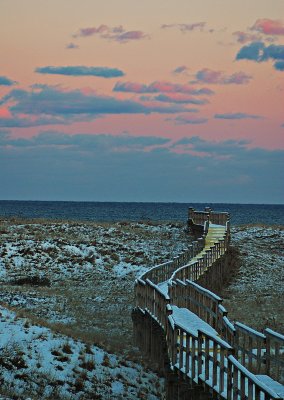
{"x":67,"y":294}
{"x":76,"y":280}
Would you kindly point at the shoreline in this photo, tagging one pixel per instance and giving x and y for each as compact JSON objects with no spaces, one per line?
{"x":271,"y":214}
{"x":44,"y":220}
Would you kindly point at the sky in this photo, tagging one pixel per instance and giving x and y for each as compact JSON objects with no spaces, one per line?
{"x":126,"y":100}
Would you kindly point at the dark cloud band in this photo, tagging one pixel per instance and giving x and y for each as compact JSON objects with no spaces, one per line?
{"x":4,"y":81}
{"x":103,"y":72}
{"x":239,"y":115}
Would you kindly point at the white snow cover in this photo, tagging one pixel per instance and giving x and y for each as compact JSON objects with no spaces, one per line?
{"x":273,"y":385}
{"x":95,"y":265}
{"x":77,"y":252}
{"x":64,"y":250}
{"x":60,"y":365}
{"x":190,"y":321}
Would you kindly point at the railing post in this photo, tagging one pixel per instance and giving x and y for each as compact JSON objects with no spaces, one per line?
{"x":229,"y":379}
{"x":200,"y":352}
{"x":190,"y":212}
{"x":267,"y":355}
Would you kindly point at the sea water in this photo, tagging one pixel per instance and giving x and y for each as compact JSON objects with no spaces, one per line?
{"x":122,"y":211}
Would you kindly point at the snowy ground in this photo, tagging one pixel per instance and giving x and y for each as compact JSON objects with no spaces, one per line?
{"x":67,"y":293}
{"x":255,"y":294}
{"x":72,"y":283}
{"x":36,"y":362}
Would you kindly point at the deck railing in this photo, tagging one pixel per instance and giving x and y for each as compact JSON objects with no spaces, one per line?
{"x":225,"y":363}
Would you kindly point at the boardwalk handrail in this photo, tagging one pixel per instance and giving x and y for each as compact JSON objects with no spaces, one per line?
{"x":251,"y":347}
{"x":239,"y":374}
{"x":273,"y":357}
{"x":243,"y":350}
{"x":207,"y":358}
{"x":164,"y":271}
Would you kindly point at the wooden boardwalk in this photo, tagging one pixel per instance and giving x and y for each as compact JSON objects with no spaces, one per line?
{"x":181,"y":325}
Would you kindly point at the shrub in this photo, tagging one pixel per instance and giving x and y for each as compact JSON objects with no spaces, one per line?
{"x":33,"y":280}
{"x":66,"y":348}
{"x":88,"y":365}
{"x":56,"y":353}
{"x":106,"y":361}
{"x":79,"y":384}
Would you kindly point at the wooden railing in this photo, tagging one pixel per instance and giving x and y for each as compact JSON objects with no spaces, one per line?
{"x":200,"y":217}
{"x":228,"y":361}
{"x":163,"y":272}
{"x":274,"y":355}
{"x":259,"y":352}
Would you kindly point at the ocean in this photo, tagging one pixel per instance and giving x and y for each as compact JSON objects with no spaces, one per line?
{"x":122,"y":211}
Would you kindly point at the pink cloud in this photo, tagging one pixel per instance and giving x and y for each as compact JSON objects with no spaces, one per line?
{"x":117,"y":29}
{"x":130,"y":87}
{"x":184,"y":120}
{"x":244,"y":37}
{"x":88,"y":91}
{"x":93,"y":31}
{"x":72,"y":46}
{"x":269,"y":26}
{"x":238,"y":78}
{"x":169,"y":87}
{"x":185,"y":27}
{"x":5,"y":112}
{"x":116,"y":33}
{"x":130,"y":35}
{"x":183,"y":69}
{"x":176,"y":97}
{"x":207,"y":75}
{"x":160,"y":86}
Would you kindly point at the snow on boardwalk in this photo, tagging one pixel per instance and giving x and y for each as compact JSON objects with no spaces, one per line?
{"x":190,"y":321}
{"x":208,"y":360}
{"x":277,"y":387}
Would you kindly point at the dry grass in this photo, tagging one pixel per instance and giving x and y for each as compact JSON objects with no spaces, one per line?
{"x":254,"y":293}
{"x":258,"y":312}
{"x":94,"y":306}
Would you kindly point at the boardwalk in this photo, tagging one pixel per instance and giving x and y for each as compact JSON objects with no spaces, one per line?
{"x":183,"y":328}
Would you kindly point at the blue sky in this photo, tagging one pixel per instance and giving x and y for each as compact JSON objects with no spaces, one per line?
{"x":142,"y":101}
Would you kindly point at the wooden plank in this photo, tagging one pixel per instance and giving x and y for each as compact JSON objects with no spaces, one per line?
{"x":188,"y":353}
{"x":215,"y":363}
{"x":193,"y":357}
